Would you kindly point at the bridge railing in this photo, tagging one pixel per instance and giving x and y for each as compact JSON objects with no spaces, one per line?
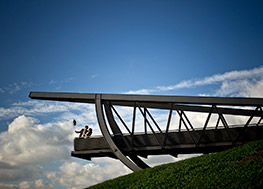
{"x":184,"y":122}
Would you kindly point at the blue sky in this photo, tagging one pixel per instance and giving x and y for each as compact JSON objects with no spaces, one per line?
{"x":146,"y":47}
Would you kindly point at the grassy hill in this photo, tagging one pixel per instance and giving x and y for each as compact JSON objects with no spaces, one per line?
{"x":240,"y":167}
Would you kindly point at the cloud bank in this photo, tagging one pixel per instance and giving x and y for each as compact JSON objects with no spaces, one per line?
{"x":27,"y":144}
{"x":77,"y":175}
{"x":244,"y":78}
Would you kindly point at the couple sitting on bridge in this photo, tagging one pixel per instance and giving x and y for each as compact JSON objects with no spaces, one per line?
{"x":86,"y":132}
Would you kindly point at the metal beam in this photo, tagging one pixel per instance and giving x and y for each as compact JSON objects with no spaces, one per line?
{"x":90,"y":98}
{"x":160,"y":102}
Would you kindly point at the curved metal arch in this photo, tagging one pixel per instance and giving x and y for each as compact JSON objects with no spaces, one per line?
{"x":116,"y":131}
{"x":105,"y":132}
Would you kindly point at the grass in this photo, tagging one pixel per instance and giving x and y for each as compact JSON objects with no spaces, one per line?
{"x":240,"y":167}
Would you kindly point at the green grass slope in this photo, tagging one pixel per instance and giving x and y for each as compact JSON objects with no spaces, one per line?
{"x":240,"y":167}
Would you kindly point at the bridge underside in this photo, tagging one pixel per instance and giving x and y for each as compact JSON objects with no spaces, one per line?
{"x":177,"y":143}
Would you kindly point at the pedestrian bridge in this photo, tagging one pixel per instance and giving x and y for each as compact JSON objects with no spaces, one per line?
{"x":120,"y":140}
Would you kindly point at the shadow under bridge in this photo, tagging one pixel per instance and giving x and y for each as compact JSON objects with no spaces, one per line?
{"x":216,"y":134}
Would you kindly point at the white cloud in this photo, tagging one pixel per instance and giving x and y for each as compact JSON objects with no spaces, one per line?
{"x":230,"y":77}
{"x":8,"y":186}
{"x":59,"y":83}
{"x":159,"y":159}
{"x":36,"y":143}
{"x":51,"y":82}
{"x":141,"y":91}
{"x":15,"y":87}
{"x":244,"y":88}
{"x":164,"y":159}
{"x":78,"y":175}
{"x":94,"y":76}
{"x":27,"y":144}
{"x":14,"y":173}
{"x":83,"y":113}
{"x":39,"y":184}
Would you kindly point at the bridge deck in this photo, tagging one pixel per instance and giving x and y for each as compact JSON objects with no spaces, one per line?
{"x":183,"y":142}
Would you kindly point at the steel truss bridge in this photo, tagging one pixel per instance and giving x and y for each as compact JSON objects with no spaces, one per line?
{"x":129,"y":146}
